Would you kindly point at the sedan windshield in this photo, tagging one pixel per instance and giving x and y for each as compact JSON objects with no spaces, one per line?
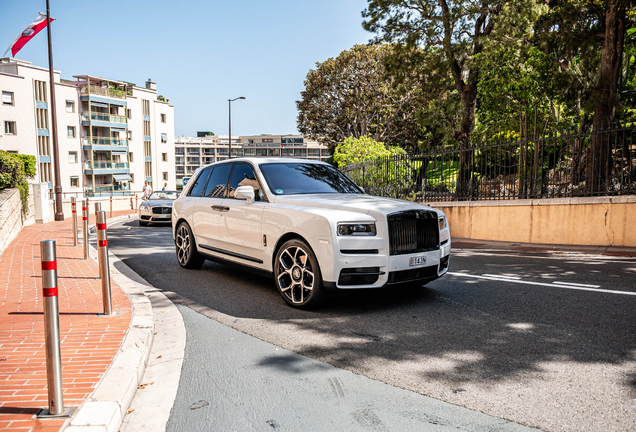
{"x":164,"y":195}
{"x":306,"y":178}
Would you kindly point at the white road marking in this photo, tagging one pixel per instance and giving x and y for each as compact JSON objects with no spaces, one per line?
{"x":580,"y":288}
{"x":577,"y":284}
{"x":503,"y":276}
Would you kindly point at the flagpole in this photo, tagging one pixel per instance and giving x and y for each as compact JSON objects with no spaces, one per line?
{"x":59,"y":213}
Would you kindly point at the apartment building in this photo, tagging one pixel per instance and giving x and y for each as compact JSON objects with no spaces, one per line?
{"x":112,"y":135}
{"x":194,"y":152}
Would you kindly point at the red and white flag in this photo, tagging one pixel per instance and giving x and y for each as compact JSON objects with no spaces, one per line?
{"x":28,"y":33}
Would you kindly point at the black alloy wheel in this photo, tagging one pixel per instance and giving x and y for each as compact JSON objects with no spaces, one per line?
{"x":297,"y":275}
{"x":187,"y":254}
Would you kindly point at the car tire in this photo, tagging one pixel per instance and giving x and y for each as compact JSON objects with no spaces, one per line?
{"x":186,"y":248}
{"x":142,"y":223}
{"x":297,"y":275}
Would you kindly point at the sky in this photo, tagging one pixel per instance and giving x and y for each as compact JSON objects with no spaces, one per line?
{"x":200,"y":53}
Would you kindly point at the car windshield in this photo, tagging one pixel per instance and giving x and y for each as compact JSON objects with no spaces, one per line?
{"x":164,"y":195}
{"x":306,"y":178}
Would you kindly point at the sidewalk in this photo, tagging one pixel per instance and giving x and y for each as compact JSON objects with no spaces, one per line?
{"x":89,"y":342}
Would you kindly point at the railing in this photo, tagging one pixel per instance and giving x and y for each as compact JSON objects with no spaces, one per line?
{"x":105,"y":141}
{"x":110,"y":92}
{"x":106,"y":165}
{"x":553,"y":166}
{"x":104,"y":117}
{"x":108,"y":188}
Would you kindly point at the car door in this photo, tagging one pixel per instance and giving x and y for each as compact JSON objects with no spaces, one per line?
{"x":207,"y":217}
{"x":243,"y":222}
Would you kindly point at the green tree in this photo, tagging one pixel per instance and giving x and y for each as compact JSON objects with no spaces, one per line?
{"x":350,"y":96}
{"x":14,"y":171}
{"x":458,"y":30}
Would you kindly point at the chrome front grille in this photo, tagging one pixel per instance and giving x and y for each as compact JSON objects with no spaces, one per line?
{"x":413,"y":231}
{"x":161,"y":210}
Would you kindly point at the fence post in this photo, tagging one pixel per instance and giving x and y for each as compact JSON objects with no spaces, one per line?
{"x":74,"y":214}
{"x":52,"y":328}
{"x":85,"y":228}
{"x":104,"y":271}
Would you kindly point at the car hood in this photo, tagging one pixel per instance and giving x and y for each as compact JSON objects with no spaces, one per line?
{"x":365,"y":204}
{"x":158,"y":203}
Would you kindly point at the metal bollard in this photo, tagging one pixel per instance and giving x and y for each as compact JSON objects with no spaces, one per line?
{"x":74,"y":209}
{"x":136,"y":206}
{"x":98,"y":207}
{"x":111,"y":205}
{"x":52,"y":328}
{"x":104,"y":271}
{"x":85,"y":228}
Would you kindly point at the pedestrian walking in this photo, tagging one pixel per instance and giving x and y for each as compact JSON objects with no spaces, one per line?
{"x":147,"y":189}
{"x":165,"y":186}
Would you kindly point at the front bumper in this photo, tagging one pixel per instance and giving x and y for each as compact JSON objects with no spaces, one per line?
{"x":364,"y":263}
{"x":149,"y":216}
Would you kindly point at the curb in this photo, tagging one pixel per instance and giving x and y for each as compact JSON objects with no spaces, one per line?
{"x":106,"y":407}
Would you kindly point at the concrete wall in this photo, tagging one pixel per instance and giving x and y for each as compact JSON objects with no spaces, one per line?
{"x":11,"y":218}
{"x":603,"y":221}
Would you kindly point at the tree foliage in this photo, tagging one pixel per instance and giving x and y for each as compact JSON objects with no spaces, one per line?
{"x":356,"y":150}
{"x":351,"y":96}
{"x":14,"y":171}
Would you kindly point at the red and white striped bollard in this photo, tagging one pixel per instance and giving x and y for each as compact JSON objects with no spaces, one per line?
{"x":85,"y":227}
{"x":104,"y":270}
{"x":52,"y":328}
{"x":74,"y":214}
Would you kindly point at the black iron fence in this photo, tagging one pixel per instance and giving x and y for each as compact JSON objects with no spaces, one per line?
{"x":553,"y":166}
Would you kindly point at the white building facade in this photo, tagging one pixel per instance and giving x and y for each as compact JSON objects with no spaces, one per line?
{"x":194,"y":152}
{"x":112,"y":135}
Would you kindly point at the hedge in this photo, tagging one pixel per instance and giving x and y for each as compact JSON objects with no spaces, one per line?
{"x":14,"y":171}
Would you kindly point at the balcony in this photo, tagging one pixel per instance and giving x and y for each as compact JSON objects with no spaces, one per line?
{"x":105,"y":141}
{"x":179,"y":161}
{"x":107,"y":189}
{"x":94,"y":116}
{"x":101,"y":91}
{"x":105,"y":164}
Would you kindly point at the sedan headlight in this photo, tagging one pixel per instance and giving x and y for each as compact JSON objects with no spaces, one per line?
{"x":346,"y":229}
{"x":144,"y":208}
{"x":442,"y":223}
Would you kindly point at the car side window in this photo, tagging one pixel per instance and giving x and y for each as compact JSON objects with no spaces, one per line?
{"x":243,"y":175}
{"x":199,"y":186}
{"x":218,"y":181}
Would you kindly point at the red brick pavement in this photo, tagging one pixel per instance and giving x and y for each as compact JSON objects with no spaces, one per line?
{"x":89,"y":342}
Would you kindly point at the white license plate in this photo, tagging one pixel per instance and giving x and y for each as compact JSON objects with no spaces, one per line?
{"x":417,"y":261}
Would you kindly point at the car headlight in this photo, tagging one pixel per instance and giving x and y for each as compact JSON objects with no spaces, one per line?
{"x":143,"y":208}
{"x":442,"y":223}
{"x":346,"y":229}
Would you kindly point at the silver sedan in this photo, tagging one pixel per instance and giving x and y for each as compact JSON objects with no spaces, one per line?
{"x":157,"y":207}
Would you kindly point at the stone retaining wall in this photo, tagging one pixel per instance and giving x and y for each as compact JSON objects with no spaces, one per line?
{"x":11,"y":218}
{"x":598,"y":221}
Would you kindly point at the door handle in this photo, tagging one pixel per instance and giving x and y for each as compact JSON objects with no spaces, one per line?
{"x":220,"y":208}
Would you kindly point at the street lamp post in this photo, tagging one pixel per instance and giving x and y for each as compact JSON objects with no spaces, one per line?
{"x":229,"y":103}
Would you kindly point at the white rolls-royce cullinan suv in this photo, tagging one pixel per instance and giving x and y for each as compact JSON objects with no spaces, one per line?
{"x":307,"y":225}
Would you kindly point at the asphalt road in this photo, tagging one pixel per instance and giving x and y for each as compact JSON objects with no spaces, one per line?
{"x":544,"y":340}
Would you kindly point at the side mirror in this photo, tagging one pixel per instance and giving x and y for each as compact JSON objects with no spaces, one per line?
{"x":245,"y":193}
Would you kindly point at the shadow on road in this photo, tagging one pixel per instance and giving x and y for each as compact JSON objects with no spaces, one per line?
{"x":471,"y":331}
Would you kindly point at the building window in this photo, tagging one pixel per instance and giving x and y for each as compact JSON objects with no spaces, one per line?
{"x":129,"y":135}
{"x":74,"y":182}
{"x":163,"y":118}
{"x":129,"y":113}
{"x":70,"y":106}
{"x":164,"y":137}
{"x":7,"y":98}
{"x":164,"y":157}
{"x":72,"y":157}
{"x":165,"y":176}
{"x":130,"y":157}
{"x":70,"y":131}
{"x":9,"y":128}
{"x":132,"y":177}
